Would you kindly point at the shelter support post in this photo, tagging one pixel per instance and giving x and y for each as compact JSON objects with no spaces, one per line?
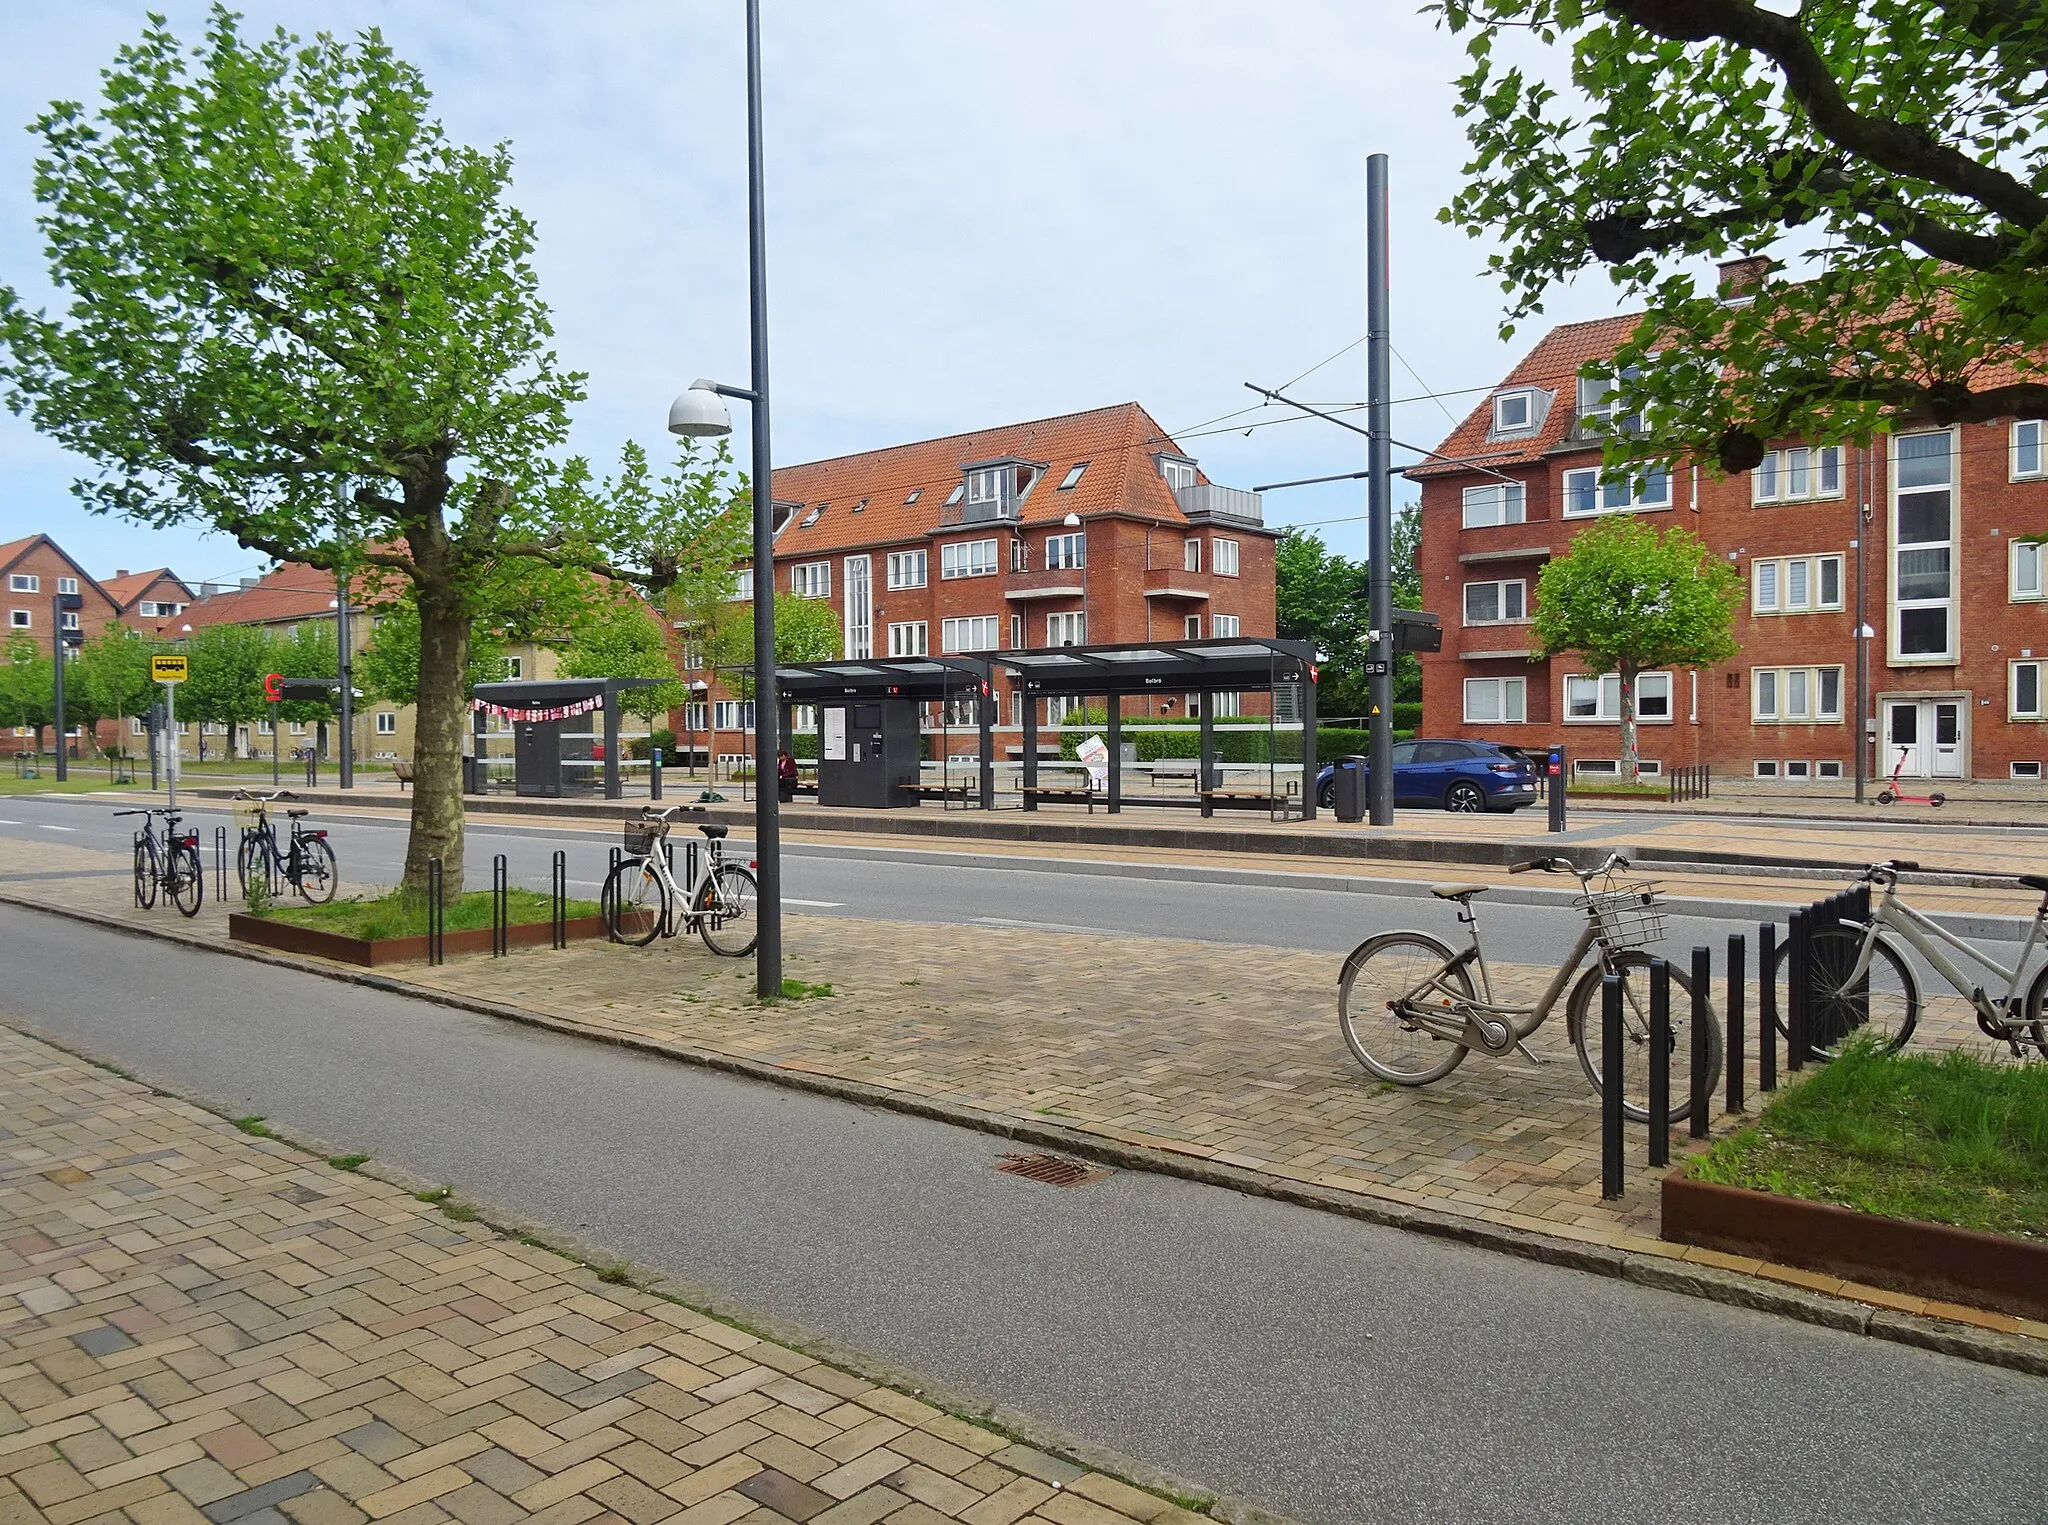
{"x":612,"y":790}
{"x":1030,"y":751}
{"x":1205,"y":771}
{"x":984,"y":711}
{"x":1115,"y":704}
{"x":1309,"y":765}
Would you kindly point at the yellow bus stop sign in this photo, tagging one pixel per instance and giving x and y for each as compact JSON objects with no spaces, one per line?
{"x":164,"y":669}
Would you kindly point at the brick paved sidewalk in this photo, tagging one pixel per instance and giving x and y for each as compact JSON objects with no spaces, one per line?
{"x":198,"y":1327}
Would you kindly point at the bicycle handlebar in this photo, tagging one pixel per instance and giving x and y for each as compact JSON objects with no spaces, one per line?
{"x":1566,"y":866}
{"x":263,"y":799}
{"x":1890,"y":868}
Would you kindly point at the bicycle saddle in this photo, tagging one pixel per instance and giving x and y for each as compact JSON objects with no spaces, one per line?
{"x":2035,"y":882}
{"x":295,"y":814}
{"x":714,"y":831}
{"x":1458,"y":891}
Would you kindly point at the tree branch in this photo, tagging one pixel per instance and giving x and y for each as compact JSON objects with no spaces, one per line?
{"x":1902,"y":148}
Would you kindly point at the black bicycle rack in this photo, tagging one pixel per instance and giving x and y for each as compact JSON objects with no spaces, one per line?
{"x":501,"y":935}
{"x":436,"y":953}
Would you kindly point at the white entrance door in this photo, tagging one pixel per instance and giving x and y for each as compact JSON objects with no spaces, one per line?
{"x":1923,"y":738}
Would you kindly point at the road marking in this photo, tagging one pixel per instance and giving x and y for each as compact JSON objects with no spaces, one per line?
{"x":823,"y":905}
{"x":10,"y":823}
{"x":48,"y":827}
{"x":1041,"y":926}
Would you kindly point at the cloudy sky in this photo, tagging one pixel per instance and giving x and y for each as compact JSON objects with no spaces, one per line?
{"x":980,"y":211}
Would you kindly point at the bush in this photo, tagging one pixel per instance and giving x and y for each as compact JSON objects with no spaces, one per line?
{"x":645,"y":745}
{"x":1408,"y":716}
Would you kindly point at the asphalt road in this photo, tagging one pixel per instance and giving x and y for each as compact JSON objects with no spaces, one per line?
{"x":1325,"y":1368}
{"x":831,"y":880}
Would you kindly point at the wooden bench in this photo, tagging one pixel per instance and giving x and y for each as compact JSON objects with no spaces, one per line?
{"x":402,"y":771}
{"x":1061,"y":792}
{"x":1176,"y":770}
{"x":1243,"y":799}
{"x":947,"y":792}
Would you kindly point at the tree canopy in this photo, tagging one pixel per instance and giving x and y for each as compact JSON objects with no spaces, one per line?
{"x":806,"y":630}
{"x":389,"y":667}
{"x":621,"y":640}
{"x":1892,"y":153}
{"x":1625,"y":598}
{"x":1320,"y":597}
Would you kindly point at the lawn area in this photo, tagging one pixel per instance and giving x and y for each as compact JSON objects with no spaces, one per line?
{"x":1942,"y":1138}
{"x":392,"y":915}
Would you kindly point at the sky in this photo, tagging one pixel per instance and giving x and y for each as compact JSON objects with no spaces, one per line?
{"x":979,"y":212}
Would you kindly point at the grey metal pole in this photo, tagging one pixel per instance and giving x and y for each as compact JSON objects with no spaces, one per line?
{"x":346,"y":672}
{"x":1379,"y":496}
{"x":1856,"y":738}
{"x":767,"y":814}
{"x":57,"y":683}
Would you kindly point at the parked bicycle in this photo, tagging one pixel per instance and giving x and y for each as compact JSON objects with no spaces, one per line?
{"x":641,"y":892}
{"x":305,"y":862}
{"x":1859,"y":980}
{"x":170,"y":862}
{"x":1410,"y":1010}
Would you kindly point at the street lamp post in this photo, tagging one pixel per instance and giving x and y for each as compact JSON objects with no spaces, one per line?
{"x":699,"y":413}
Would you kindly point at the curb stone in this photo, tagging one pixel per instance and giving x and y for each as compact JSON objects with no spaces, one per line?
{"x":1057,"y":1444}
{"x":1706,"y":1282}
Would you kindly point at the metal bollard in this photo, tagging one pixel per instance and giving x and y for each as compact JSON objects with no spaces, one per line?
{"x":605,"y":895}
{"x":434,"y":945}
{"x":1799,"y":971}
{"x":220,"y":864}
{"x":501,"y":933}
{"x":1767,"y":1006}
{"x":654,"y":774}
{"x":1701,"y":1057}
{"x":558,"y":910}
{"x":1610,"y":1091}
{"x":1554,"y":787}
{"x":1660,"y":1062}
{"x":1737,"y":951}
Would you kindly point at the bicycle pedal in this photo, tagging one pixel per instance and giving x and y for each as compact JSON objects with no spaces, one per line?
{"x":1528,"y":1053}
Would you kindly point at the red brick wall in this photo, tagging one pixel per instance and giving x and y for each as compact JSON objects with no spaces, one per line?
{"x":47,"y":563}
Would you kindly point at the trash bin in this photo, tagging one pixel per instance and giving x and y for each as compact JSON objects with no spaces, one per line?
{"x":470,"y":770}
{"x":1349,"y":781}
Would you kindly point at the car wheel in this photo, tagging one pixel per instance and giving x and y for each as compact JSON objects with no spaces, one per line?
{"x":1465,"y":799}
{"x":1326,"y":797}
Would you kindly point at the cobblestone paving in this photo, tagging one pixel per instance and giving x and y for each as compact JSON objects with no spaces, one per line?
{"x":203,"y":1328}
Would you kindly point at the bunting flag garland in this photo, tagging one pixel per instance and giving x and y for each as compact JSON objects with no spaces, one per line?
{"x":552,"y":712}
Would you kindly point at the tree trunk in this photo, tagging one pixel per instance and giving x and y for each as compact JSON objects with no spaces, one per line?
{"x":439,"y":718}
{"x":1631,"y":765}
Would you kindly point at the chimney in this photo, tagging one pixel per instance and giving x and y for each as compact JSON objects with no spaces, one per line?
{"x":249,"y":582}
{"x":120,"y":571}
{"x":1741,"y":277}
{"x":208,"y":589}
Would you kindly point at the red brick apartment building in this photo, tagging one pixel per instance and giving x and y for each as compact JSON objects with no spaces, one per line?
{"x":1087,"y":529}
{"x":1954,"y":583}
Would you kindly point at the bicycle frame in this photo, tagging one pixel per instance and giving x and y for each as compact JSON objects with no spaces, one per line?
{"x":678,"y":894}
{"x":1521,"y":1021}
{"x":1920,"y":933}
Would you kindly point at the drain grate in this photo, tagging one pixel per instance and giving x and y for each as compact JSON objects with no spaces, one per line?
{"x":1051,"y":1169}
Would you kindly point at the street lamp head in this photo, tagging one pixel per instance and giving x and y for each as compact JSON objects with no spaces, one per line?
{"x":699,"y":413}
{"x":1072,"y":521}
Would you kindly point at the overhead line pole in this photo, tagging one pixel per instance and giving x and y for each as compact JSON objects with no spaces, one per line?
{"x":1379,"y":537}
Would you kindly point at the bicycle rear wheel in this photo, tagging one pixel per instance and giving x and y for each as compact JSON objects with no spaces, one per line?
{"x":185,"y":881}
{"x":1884,"y":1003}
{"x":145,"y":873}
{"x":635,"y":902}
{"x":724,"y":908}
{"x":1583,"y":1018}
{"x":1384,"y":975}
{"x":318,"y":874}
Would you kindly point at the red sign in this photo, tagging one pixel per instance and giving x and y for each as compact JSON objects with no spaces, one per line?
{"x":273,"y":686}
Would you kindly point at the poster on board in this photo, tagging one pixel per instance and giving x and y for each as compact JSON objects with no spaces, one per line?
{"x":834,"y":746}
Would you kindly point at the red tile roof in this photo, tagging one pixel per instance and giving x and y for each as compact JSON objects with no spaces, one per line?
{"x":1117,"y":443}
{"x":128,"y":587}
{"x":287,"y":593}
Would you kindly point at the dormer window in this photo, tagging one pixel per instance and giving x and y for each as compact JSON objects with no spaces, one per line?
{"x":1073,"y":478}
{"x":784,"y":512}
{"x":1178,"y":473}
{"x":985,"y":485}
{"x":1514,"y":412}
{"x":811,"y":518}
{"x":1597,"y":402}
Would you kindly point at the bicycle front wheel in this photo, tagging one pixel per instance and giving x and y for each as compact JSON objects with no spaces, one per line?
{"x":1384,"y":979}
{"x":1884,"y":1003}
{"x":186,"y":880}
{"x":249,"y":860}
{"x":145,"y":873}
{"x":635,"y":902}
{"x":1584,"y":1018}
{"x":725,"y":911}
{"x":318,"y":873}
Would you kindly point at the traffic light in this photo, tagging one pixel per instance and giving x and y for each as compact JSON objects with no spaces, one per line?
{"x":69,"y":635}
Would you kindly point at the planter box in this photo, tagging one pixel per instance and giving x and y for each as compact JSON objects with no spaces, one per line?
{"x":286,"y":938}
{"x":1957,"y":1265}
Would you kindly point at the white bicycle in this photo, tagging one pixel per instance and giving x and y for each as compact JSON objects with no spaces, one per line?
{"x":641,"y":893}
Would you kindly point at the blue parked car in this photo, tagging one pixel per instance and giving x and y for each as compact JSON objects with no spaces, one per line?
{"x":1466,"y":776}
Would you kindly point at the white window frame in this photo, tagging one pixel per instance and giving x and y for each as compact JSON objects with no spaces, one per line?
{"x":732,"y":715}
{"x":387,"y":722}
{"x":1501,"y":402}
{"x":1501,"y":601}
{"x":2024,"y":770}
{"x":1191,"y":626}
{"x":1771,"y":580}
{"x":967,"y":558}
{"x":24,"y":582}
{"x":1066,"y":552}
{"x":518,"y":665}
{"x":1607,"y":698}
{"x":811,"y":579}
{"x":1796,"y":695}
{"x":1510,"y":701}
{"x":907,"y":569}
{"x":1223,"y":556}
{"x":1191,"y":554}
{"x":983,"y":630}
{"x":910,"y":638}
{"x":1178,"y":473}
{"x":985,"y":485}
{"x":67,"y":585}
{"x":1600,"y":410}
{"x":1225,"y":626}
{"x":2013,"y":708}
{"x":1069,"y":629}
{"x":742,"y":586}
{"x":1797,"y":474}
{"x":1601,"y":485}
{"x":2025,"y":582}
{"x":1951,"y":604}
{"x":1763,"y":767}
{"x":1073,"y":477}
{"x":1495,"y":503}
{"x":2029,"y":449}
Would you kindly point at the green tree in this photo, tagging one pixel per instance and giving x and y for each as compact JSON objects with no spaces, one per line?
{"x":111,"y":673}
{"x":1899,"y":147}
{"x":1320,"y":597}
{"x":27,"y":687}
{"x":227,"y":666}
{"x":302,"y":316}
{"x":622,"y":640}
{"x":389,"y":668}
{"x":806,"y":630}
{"x":1625,"y":598}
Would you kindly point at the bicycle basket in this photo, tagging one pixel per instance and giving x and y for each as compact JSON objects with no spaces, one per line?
{"x":641,"y":836}
{"x":1628,"y":912}
{"x":248,"y":814}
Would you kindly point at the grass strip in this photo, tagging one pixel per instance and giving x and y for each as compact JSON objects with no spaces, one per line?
{"x":1946,"y":1138}
{"x":396,"y":915}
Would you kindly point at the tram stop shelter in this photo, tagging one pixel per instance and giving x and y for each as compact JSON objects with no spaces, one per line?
{"x":869,"y":739}
{"x":1200,"y":669}
{"x":543,"y":752}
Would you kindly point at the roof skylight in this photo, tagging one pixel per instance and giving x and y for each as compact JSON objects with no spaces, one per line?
{"x":915,"y":494}
{"x":1073,"y":476}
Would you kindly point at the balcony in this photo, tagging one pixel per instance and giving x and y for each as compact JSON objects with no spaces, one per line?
{"x":1058,"y":582}
{"x":953,"y":515}
{"x":1173,"y":582}
{"x":1205,"y":501}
